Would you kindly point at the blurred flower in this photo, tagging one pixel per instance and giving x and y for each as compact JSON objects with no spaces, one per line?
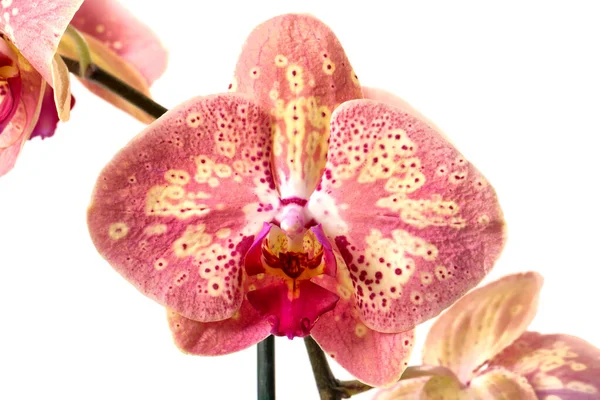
{"x":34,"y":81}
{"x":294,"y":207}
{"x":478,"y":349}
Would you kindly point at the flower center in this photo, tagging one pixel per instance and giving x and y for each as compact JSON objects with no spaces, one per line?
{"x":292,"y":263}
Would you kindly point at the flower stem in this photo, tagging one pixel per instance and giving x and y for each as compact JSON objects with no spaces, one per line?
{"x":329,"y":387}
{"x":99,"y":76}
{"x":266,"y":369}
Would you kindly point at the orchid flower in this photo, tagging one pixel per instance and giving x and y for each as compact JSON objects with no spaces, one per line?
{"x":295,"y":207}
{"x":479,"y":349}
{"x":34,"y":81}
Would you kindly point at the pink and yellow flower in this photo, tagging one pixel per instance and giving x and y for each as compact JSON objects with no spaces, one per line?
{"x":34,"y":81}
{"x":293,"y":206}
{"x":479,"y":349}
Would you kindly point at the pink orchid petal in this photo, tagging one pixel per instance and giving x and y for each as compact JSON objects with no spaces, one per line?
{"x":391,"y":99}
{"x":415,"y":222}
{"x":556,"y":366}
{"x":112,"y":63}
{"x":483,"y":323}
{"x":35,"y":28}
{"x":23,"y":121}
{"x":292,"y":312}
{"x":295,"y":66}
{"x":410,"y":389}
{"x":176,"y":210}
{"x":48,"y":119}
{"x":244,"y":329}
{"x":115,"y":27}
{"x":378,"y":359}
{"x":499,"y":383}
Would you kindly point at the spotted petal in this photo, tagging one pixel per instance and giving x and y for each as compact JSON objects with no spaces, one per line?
{"x":35,"y":27}
{"x":557,"y":366}
{"x":175,"y":211}
{"x":244,"y":329}
{"x":416,"y":224}
{"x":498,"y":383}
{"x":375,"y":358}
{"x":482,"y":324}
{"x":295,"y":66}
{"x":409,"y":389}
{"x":117,"y":29}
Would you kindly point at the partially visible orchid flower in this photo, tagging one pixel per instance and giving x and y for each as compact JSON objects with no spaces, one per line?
{"x":296,"y":207}
{"x":34,"y":81}
{"x":479,"y":349}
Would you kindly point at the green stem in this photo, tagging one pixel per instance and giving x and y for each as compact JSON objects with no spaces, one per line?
{"x":102,"y":78}
{"x":266,"y":369}
{"x":83,"y":51}
{"x":329,"y":387}
{"x":324,"y":378}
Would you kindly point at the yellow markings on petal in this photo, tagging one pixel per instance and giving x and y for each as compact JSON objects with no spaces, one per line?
{"x":278,"y":109}
{"x":194,"y":119}
{"x":100,"y":28}
{"x":204,"y":169}
{"x":213,"y":182}
{"x":354,"y":78}
{"x":274,"y":94}
{"x":215,"y":286}
{"x":457,"y":177}
{"x":426,"y":278}
{"x":414,"y":245}
{"x":166,"y":202}
{"x":260,"y":276}
{"x":516,"y":310}
{"x":578,"y":366}
{"x":542,"y":381}
{"x":118,"y":230}
{"x":192,"y":241}
{"x":581,"y":387}
{"x":546,"y":359}
{"x":441,"y":273}
{"x":294,"y":75}
{"x":251,"y":288}
{"x":344,"y":292}
{"x":225,"y":148}
{"x":222,"y":170}
{"x":177,"y":177}
{"x":281,"y":61}
{"x":360,"y":330}
{"x":483,"y":220}
{"x":424,"y":212}
{"x":223,"y":233}
{"x":156,"y":229}
{"x":416,"y":298}
{"x":328,"y":67}
{"x":254,"y":73}
{"x":160,"y":264}
{"x":278,"y":140}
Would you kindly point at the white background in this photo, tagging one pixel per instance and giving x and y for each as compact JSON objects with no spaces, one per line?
{"x":516,"y":87}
